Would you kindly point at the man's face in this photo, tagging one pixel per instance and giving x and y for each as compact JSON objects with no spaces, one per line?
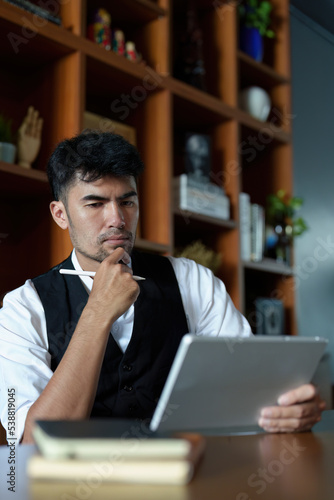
{"x":100,"y":217}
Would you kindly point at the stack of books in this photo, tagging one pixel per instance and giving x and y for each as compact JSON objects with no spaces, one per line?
{"x":199,"y":197}
{"x":39,"y":10}
{"x":120,"y":451}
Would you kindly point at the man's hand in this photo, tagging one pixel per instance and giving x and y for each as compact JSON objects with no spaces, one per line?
{"x":297,"y":410}
{"x":114,"y":290}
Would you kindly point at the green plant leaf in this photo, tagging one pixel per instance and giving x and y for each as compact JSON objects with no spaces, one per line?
{"x":257,"y":14}
{"x":5,"y":129}
{"x":282,"y":208}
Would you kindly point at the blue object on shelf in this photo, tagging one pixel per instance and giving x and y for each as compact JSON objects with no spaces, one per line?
{"x":251,"y":42}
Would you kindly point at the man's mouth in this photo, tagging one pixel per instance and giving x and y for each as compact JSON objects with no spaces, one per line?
{"x":115,"y":238}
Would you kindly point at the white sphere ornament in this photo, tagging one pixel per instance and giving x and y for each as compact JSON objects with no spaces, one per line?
{"x":256,"y":102}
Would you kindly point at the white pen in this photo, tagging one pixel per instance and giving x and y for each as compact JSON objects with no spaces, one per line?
{"x":90,"y":273}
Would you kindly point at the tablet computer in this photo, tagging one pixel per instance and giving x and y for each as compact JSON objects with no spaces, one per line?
{"x":221,"y":383}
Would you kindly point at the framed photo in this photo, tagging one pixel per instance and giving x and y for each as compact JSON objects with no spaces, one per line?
{"x":269,"y":316}
{"x":197,"y":152}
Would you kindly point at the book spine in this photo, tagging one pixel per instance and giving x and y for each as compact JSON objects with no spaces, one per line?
{"x":245,"y":226}
{"x":149,"y":472}
{"x":257,"y":232}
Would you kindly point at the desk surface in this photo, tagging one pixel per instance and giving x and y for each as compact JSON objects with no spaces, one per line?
{"x":261,"y":466}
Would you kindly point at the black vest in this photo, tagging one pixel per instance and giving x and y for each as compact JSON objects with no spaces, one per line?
{"x":130,"y":383}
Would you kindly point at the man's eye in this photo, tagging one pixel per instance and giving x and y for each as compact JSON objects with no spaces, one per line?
{"x":94,"y":205}
{"x":127,"y":203}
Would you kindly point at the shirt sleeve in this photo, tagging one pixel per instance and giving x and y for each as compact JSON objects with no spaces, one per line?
{"x":208,"y":307}
{"x":24,"y":357}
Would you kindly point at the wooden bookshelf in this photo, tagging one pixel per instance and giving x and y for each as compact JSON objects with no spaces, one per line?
{"x":62,"y":73}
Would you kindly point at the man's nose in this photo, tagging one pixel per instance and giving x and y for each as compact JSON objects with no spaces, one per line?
{"x":114,"y":216}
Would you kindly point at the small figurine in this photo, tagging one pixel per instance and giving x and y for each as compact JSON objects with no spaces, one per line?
{"x":119,"y":42}
{"x":99,"y":30}
{"x":29,"y":138}
{"x":130,"y":51}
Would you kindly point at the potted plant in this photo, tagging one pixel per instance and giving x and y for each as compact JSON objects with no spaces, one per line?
{"x":255,"y":20}
{"x":283,"y":224}
{"x":7,"y":148}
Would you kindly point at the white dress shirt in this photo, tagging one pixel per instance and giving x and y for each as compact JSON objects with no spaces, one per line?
{"x":24,"y":358}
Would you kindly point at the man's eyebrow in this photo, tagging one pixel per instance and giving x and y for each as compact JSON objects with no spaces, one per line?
{"x":127,"y":195}
{"x":94,"y":197}
{"x":97,"y":197}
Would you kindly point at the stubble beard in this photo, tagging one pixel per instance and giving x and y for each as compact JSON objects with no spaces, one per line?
{"x":102,"y":252}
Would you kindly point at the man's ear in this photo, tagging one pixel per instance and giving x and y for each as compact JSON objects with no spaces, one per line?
{"x":59,"y":214}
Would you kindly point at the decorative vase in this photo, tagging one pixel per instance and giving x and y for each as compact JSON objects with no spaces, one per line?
{"x":7,"y":152}
{"x":256,"y":102}
{"x":251,"y":42}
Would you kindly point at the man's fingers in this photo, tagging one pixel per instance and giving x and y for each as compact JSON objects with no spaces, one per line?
{"x":295,"y":411}
{"x":303,"y":393}
{"x":119,"y":255}
{"x":288,"y":424}
{"x":297,"y":417}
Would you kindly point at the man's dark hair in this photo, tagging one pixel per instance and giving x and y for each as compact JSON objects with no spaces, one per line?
{"x":90,"y":156}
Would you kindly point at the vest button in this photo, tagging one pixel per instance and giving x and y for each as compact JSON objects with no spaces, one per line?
{"x":127,"y":368}
{"x":128,"y":388}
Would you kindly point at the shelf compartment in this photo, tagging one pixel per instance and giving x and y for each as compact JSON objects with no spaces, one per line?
{"x":269,"y":266}
{"x":109,"y":73}
{"x":251,"y":71}
{"x":141,"y":21}
{"x":220,"y":236}
{"x":16,"y":180}
{"x":195,"y":106}
{"x":130,"y":12}
{"x":21,"y":38}
{"x":268,"y":128}
{"x":151,"y":246}
{"x":270,"y":285}
{"x":265,"y":172}
{"x":217,"y":47}
{"x":199,"y":218}
{"x":190,"y":227}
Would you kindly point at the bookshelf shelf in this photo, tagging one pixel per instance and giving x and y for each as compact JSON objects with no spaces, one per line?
{"x":268,"y":128}
{"x":191,"y":97}
{"x":252,"y":71}
{"x":269,"y":266}
{"x":135,"y":12}
{"x":18,"y":180}
{"x":188,"y":216}
{"x":150,"y":246}
{"x":62,"y":73}
{"x":116,"y":63}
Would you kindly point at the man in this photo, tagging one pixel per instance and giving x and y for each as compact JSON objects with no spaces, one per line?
{"x":75,"y":347}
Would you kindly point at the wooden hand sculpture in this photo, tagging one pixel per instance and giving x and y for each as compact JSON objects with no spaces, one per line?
{"x":29,"y":138}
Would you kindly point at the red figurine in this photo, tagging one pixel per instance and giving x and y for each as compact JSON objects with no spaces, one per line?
{"x":119,"y":42}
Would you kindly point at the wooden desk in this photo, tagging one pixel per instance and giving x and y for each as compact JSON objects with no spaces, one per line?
{"x":255,"y":467}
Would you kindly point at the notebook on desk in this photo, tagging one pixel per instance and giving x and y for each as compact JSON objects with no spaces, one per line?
{"x":219,"y":384}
